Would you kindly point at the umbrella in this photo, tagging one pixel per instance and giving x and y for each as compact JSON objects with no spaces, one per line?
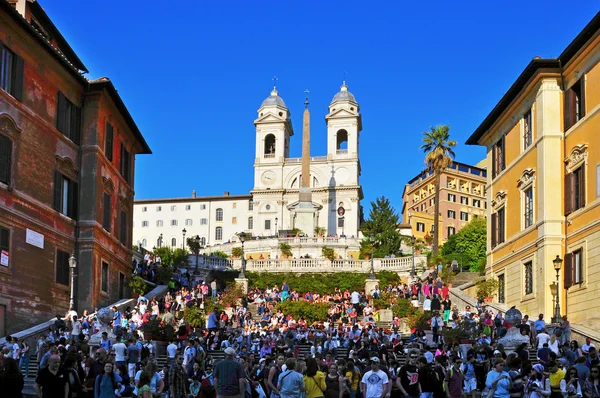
{"x":142,"y":298}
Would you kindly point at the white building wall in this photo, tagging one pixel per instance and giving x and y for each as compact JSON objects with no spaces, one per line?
{"x":198,"y":216}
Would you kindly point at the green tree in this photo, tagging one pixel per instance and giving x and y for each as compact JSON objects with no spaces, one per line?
{"x":383,"y":226}
{"x":437,"y":146}
{"x":169,"y":257}
{"x":468,"y":245}
{"x":328,"y":253}
{"x":194,"y":243}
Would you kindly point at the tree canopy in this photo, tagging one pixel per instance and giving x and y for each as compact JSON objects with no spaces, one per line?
{"x":169,"y":257}
{"x":383,"y":226}
{"x":468,"y":245}
{"x":439,"y":152}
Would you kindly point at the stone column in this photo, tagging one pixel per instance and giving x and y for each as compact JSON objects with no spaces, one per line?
{"x":370,"y":285}
{"x":243,"y":282}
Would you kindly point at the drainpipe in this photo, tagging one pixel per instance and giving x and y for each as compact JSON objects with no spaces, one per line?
{"x":75,"y":278}
{"x":566,"y":222}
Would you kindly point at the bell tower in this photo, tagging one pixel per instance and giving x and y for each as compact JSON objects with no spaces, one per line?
{"x":344,"y":124}
{"x":273,"y":130}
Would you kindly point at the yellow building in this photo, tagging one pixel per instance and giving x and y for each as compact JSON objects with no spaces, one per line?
{"x":543,"y":154}
{"x":462,"y":198}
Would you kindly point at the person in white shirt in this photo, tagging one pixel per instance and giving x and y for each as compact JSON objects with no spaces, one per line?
{"x":586,"y":347}
{"x":427,"y":304}
{"x":355,"y":297}
{"x":171,"y":352}
{"x":120,"y":350}
{"x":375,"y":382}
{"x":75,"y":328}
{"x":542,"y":338}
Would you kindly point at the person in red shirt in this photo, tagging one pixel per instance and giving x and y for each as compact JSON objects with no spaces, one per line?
{"x":445,"y":291}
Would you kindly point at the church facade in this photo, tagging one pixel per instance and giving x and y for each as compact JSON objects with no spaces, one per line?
{"x":270,"y":208}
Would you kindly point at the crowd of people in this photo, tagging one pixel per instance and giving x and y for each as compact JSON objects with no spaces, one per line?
{"x":277,"y":356}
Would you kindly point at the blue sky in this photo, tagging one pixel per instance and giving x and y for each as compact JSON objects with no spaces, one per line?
{"x":194,"y":73}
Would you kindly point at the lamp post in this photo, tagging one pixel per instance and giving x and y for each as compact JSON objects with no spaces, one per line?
{"x":242,"y":237}
{"x":160,"y":240}
{"x":72,"y":266}
{"x":276,"y":234}
{"x":183,"y":243}
{"x":197,"y":247}
{"x":412,"y":270}
{"x":557,"y":266}
{"x":372,"y":273}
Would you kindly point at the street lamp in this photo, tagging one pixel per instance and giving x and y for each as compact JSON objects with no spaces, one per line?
{"x":412,"y":270}
{"x":72,"y":266}
{"x":183,"y":243}
{"x":197,"y":246}
{"x":160,"y":240}
{"x":242,"y":237}
{"x":276,"y":234}
{"x":372,"y":273}
{"x":557,"y":266}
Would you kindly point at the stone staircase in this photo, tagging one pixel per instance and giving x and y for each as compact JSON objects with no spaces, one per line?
{"x":464,"y":277}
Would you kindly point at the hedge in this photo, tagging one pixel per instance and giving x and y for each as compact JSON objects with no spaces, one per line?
{"x":319,"y":283}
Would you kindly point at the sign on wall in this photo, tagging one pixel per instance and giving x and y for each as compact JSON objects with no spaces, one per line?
{"x":34,"y":238}
{"x":4,"y":258}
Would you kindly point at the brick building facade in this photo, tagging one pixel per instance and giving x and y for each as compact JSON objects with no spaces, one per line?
{"x":67,"y":156}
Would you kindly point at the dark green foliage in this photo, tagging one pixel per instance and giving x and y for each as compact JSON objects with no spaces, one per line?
{"x":164,"y":274}
{"x":318,"y":283}
{"x":219,"y":254}
{"x":168,"y":256}
{"x":138,"y":285}
{"x":311,"y":312}
{"x":468,"y":244}
{"x":383,"y":226}
{"x":236,"y":252}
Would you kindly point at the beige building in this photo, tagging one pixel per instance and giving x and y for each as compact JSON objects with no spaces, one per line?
{"x":462,"y":198}
{"x":544,"y":183}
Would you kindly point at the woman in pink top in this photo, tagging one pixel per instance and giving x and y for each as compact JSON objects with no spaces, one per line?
{"x":445,"y":291}
{"x":426,"y":289}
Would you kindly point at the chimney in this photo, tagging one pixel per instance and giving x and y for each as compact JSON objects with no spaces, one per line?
{"x":194,"y":194}
{"x":19,"y":5}
{"x":226,"y":193}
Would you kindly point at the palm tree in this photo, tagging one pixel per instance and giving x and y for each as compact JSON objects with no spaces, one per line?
{"x":437,"y":146}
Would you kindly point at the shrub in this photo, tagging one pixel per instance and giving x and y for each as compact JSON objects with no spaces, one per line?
{"x":194,"y":316}
{"x":420,"y":321}
{"x":488,"y":288}
{"x":320,"y":231}
{"x":236,"y":252}
{"x":328,"y":253}
{"x":219,"y":254}
{"x":286,"y":249}
{"x":403,"y":308}
{"x":138,"y":285}
{"x":311,"y":312}
{"x":164,"y":274}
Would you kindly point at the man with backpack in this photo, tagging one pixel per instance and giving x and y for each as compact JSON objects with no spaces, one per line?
{"x":453,"y":382}
{"x":428,"y":378}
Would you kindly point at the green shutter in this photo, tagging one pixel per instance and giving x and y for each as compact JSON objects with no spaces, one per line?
{"x":18,"y":78}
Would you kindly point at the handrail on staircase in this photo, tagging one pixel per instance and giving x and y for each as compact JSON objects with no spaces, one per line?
{"x":31,"y":334}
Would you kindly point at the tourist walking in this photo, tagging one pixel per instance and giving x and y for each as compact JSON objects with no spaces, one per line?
{"x":11,"y":379}
{"x":314,"y":380}
{"x":25,"y":357}
{"x":178,"y":380}
{"x":498,"y":380}
{"x":228,"y":377}
{"x":454,"y":379}
{"x":107,"y":382}
{"x":51,"y":381}
{"x":375,"y":383}
{"x":334,"y":383}
{"x":290,"y":383}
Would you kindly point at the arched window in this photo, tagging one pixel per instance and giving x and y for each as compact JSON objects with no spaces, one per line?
{"x":250,"y":222}
{"x":342,"y":141}
{"x":269,"y":146}
{"x":219,"y":214}
{"x":144,"y":243}
{"x":173,"y":242}
{"x":218,"y":233}
{"x":203,"y":241}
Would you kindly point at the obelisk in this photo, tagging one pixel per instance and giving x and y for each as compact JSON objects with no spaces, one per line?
{"x":305,"y":211}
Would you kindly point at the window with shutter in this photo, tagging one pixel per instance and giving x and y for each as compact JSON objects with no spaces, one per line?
{"x":68,"y":118}
{"x":106,"y":212}
{"x":574,"y":103}
{"x":5,"y":159}
{"x":500,"y":225}
{"x":123,"y":229}
{"x":494,"y":234}
{"x":104,"y":277}
{"x":66,"y":195}
{"x":109,"y":143}
{"x":569,"y":193}
{"x":5,"y":242}
{"x":579,"y":188}
{"x":568,"y":271}
{"x":11,"y":72}
{"x":62,"y":267}
{"x":577,"y":267}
